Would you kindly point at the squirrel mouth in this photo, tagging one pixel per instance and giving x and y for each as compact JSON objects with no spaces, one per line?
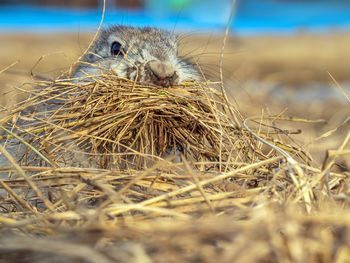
{"x":165,"y":81}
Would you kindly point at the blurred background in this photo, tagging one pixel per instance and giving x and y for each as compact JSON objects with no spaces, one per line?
{"x":278,"y":58}
{"x":252,"y":16}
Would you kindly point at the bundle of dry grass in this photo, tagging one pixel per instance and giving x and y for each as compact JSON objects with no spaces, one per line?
{"x":97,"y":162}
{"x":111,"y":122}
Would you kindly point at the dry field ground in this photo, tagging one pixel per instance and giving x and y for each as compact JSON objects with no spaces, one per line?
{"x":261,"y":209}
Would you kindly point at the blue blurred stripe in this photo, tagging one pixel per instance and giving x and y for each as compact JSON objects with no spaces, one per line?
{"x":252,"y":16}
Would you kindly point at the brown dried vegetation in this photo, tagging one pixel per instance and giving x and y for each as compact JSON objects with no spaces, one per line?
{"x":115,"y":171}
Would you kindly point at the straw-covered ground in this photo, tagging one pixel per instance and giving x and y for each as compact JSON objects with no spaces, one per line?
{"x":114,"y":171}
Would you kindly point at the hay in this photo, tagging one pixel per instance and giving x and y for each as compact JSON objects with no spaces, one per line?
{"x":111,"y":122}
{"x":98,"y":181}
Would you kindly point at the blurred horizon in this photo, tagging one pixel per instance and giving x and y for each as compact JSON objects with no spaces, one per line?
{"x":251,"y":16}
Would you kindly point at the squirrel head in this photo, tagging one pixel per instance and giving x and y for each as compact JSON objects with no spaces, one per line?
{"x":148,"y":55}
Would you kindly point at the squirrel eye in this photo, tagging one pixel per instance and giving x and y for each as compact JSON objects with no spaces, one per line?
{"x":116,"y":48}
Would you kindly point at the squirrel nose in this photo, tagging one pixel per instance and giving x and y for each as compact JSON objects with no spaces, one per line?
{"x":162,"y":74}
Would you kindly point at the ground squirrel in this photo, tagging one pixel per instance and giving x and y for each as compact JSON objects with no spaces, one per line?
{"x":148,"y":55}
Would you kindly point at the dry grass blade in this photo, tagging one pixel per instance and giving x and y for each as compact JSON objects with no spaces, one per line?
{"x":8,"y":67}
{"x":339,"y":87}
